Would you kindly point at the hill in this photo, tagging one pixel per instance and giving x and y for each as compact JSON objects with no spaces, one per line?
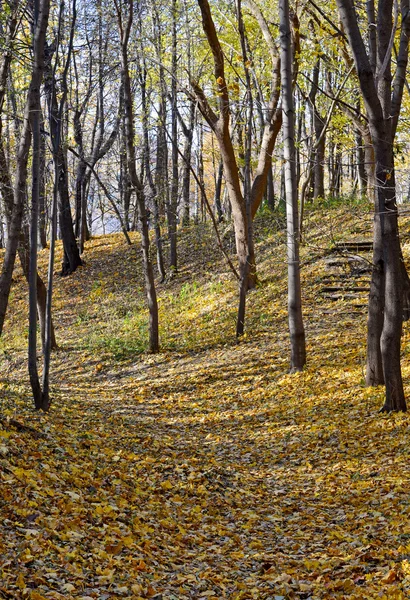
{"x":206,"y":471}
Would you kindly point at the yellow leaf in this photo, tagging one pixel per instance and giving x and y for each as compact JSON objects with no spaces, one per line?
{"x":136,"y":588}
{"x":166,"y":485}
{"x":20,"y":582}
{"x":114,"y":548}
{"x":128,"y":541}
{"x":36,"y":596}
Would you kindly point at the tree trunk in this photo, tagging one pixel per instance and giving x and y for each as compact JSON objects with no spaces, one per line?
{"x":42,"y":225}
{"x":270,"y":190}
{"x":148,"y":173}
{"x":23,"y":246}
{"x":296,"y":328}
{"x":125,"y":29}
{"x":71,"y":259}
{"x":22,"y":160}
{"x":40,"y":402}
{"x":186,"y":176}
{"x":173,"y":204}
{"x":383,"y":100}
{"x":41,"y":13}
{"x":218,"y":191}
{"x":360,"y":160}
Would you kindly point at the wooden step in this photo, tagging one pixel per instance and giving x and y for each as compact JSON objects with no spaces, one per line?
{"x":340,"y":296}
{"x":339,"y":288}
{"x":353,"y":262}
{"x":355,"y":246}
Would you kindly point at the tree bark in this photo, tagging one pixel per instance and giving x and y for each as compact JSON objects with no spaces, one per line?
{"x":71,"y":259}
{"x":220,"y":126}
{"x":22,"y":160}
{"x":125,"y":29}
{"x":173,"y":204}
{"x":296,"y":328}
{"x":382,"y":99}
{"x":148,"y":173}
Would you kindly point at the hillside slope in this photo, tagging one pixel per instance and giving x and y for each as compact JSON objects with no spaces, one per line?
{"x":206,"y":471}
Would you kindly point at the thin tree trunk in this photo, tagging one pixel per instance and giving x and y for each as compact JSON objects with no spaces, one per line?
{"x":186,"y":176}
{"x":22,"y":160}
{"x":218,"y":191}
{"x":125,"y":29}
{"x":270,"y":190}
{"x":24,"y":243}
{"x":42,"y":225}
{"x":39,"y":401}
{"x":247,"y":189}
{"x":173,"y":204}
{"x":296,"y":328}
{"x":150,"y":179}
{"x":41,"y":13}
{"x":71,"y":259}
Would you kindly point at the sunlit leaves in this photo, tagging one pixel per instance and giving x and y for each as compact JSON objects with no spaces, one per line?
{"x":206,"y":471}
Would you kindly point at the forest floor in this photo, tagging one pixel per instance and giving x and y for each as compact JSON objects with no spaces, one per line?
{"x":206,"y":471}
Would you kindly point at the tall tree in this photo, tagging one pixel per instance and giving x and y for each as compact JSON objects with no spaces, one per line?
{"x":173,"y":203}
{"x":382,"y":97}
{"x":6,"y":185}
{"x":125,"y":16}
{"x":56,"y":107}
{"x":296,"y":328}
{"x":20,"y":182}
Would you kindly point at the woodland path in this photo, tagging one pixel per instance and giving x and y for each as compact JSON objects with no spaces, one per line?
{"x":208,"y":474}
{"x":173,"y":482}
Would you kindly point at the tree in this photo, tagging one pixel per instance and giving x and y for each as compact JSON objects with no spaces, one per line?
{"x":382,"y":97}
{"x":297,"y":332}
{"x":20,"y":183}
{"x":125,"y":15}
{"x":6,"y":185}
{"x":56,"y":107}
{"x":220,"y":125}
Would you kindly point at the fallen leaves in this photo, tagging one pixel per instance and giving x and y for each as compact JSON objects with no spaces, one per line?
{"x":211,"y":474}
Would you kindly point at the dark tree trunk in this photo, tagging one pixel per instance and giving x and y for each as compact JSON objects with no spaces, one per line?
{"x":360,"y":160}
{"x":71,"y":259}
{"x":187,"y":156}
{"x":218,"y":191}
{"x":148,"y":172}
{"x":270,"y":190}
{"x":41,"y":13}
{"x":383,"y":98}
{"x":42,"y":203}
{"x":22,"y":160}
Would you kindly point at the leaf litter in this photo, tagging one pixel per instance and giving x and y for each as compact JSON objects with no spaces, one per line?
{"x":206,"y":471}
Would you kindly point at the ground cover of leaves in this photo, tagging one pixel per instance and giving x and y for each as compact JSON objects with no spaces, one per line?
{"x":207,"y":471}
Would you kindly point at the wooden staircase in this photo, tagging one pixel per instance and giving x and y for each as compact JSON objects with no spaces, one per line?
{"x":349,"y":269}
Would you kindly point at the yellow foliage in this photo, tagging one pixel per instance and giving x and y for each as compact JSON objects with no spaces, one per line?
{"x":207,"y":471}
